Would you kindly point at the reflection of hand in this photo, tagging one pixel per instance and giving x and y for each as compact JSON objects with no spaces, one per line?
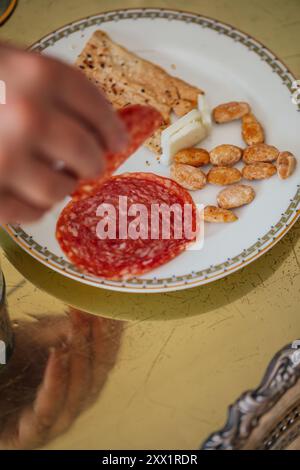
{"x":74,"y":374}
{"x":52,"y":115}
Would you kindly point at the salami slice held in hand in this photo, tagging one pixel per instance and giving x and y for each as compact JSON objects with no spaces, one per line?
{"x":160,"y":222}
{"x":140,"y":122}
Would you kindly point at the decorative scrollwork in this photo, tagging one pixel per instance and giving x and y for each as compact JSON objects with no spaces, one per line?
{"x":245,"y":414}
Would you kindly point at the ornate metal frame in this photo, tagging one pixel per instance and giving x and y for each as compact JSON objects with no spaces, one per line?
{"x":245,"y":414}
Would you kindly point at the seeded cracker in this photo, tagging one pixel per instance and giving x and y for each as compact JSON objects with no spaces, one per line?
{"x":128,"y":79}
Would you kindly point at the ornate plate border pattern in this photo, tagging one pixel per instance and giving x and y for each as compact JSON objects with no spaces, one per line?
{"x":276,"y":232}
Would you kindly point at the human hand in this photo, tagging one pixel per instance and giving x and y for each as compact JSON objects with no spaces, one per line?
{"x":41,"y":397}
{"x":54,"y":130}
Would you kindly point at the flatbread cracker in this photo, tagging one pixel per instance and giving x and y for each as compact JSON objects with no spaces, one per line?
{"x":126,"y":79}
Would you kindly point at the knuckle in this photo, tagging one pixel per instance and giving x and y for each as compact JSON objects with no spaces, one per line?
{"x":28,"y":120}
{"x":45,"y":423}
{"x":80,"y":143}
{"x":84,"y":145}
{"x":39,"y":69}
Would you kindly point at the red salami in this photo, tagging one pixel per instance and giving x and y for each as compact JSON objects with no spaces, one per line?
{"x":141,"y":122}
{"x":131,"y":248}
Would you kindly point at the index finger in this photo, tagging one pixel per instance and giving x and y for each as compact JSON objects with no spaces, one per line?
{"x":79,"y":97}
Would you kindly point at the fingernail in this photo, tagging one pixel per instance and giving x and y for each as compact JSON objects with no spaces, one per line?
{"x":62,"y":354}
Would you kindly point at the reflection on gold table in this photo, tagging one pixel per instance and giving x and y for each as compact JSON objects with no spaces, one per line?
{"x":58,"y":368}
{"x":173,"y":379}
{"x":167,"y":372}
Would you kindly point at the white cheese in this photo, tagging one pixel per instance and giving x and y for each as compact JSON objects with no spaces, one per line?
{"x":186,"y":132}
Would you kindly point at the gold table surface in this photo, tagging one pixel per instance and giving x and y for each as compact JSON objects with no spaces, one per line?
{"x":164,"y":376}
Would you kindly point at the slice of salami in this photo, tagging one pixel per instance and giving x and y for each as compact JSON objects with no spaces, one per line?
{"x":138,"y":238}
{"x":141,"y":122}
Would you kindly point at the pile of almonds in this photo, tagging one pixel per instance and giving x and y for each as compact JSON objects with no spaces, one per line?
{"x":261,"y":162}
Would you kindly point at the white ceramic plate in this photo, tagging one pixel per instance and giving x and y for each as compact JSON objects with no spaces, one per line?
{"x":228,"y":65}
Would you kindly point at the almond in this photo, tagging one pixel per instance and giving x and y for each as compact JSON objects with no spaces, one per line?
{"x":225,"y":155}
{"x":224,"y":175}
{"x":260,"y":153}
{"x":230,"y":111}
{"x":252,"y":130}
{"x":218,"y":215}
{"x":188,"y":176}
{"x":235,"y":196}
{"x":258,"y":171}
{"x":192,"y":156}
{"x":286,"y":164}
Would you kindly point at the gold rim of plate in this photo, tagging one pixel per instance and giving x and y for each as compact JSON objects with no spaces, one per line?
{"x":6,"y":10}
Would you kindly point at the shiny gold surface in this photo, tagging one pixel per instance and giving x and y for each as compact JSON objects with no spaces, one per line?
{"x":163,"y":377}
